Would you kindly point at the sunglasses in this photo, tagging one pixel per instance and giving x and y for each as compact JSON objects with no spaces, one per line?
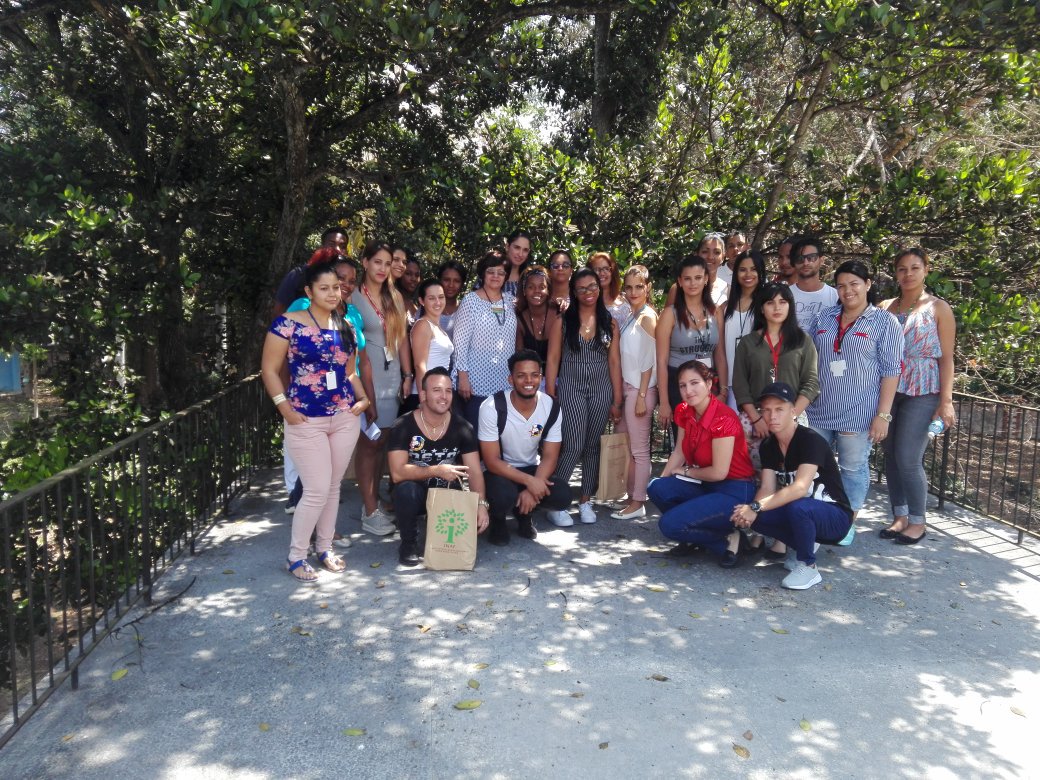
{"x":559,"y":266}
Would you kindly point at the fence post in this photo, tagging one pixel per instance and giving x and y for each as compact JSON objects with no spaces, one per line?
{"x":146,"y":523}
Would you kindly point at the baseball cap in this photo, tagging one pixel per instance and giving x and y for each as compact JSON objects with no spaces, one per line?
{"x":780,"y":390}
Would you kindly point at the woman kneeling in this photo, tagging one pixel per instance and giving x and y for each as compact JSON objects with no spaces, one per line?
{"x":709,"y":471}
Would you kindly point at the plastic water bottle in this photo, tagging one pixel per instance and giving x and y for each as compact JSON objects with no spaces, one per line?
{"x":935,"y":428}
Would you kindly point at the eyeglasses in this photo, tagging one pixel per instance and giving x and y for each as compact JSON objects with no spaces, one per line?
{"x":808,"y":257}
{"x":559,"y":266}
{"x":589,"y":288}
{"x":601,"y":270}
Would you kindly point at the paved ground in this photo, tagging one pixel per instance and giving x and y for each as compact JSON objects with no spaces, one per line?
{"x":594,"y":655}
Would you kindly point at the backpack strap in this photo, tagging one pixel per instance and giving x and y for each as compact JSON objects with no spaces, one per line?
{"x":500,"y":409}
{"x":554,"y":412}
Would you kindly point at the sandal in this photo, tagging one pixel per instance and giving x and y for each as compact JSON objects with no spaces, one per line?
{"x":332,"y":562}
{"x":302,"y":571}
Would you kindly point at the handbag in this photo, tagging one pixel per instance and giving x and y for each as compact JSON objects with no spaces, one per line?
{"x":614,"y":459}
{"x":451,"y":529}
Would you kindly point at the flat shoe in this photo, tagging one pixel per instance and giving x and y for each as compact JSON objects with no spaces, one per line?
{"x":904,"y":539}
{"x":635,"y":513}
{"x":683,"y":550}
{"x":888,"y":533}
{"x":730,"y":560}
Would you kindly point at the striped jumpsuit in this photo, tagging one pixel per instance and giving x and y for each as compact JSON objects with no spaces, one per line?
{"x":586,"y":393}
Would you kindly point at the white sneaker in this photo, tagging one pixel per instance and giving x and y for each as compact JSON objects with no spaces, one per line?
{"x":377,"y":523}
{"x":802,"y":578}
{"x":791,"y":561}
{"x":341,"y":541}
{"x":586,"y":513}
{"x":561,"y":518}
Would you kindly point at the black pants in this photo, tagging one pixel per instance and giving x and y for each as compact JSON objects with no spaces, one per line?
{"x":502,"y":494}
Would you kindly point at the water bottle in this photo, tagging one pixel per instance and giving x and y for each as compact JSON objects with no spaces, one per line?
{"x":935,"y":428}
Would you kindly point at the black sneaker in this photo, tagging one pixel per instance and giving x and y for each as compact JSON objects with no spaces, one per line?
{"x":408,"y":555}
{"x":684,"y":550}
{"x":525,"y":527}
{"x":498,"y":535}
{"x":730,"y":560}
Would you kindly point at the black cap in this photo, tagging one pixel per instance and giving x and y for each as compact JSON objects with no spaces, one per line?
{"x":780,"y":390}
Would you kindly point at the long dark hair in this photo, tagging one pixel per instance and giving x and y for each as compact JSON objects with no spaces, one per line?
{"x":791,"y":335}
{"x":346,"y":330}
{"x":572,"y":321}
{"x":735,"y":290}
{"x":682,"y":311}
{"x":862,"y":270}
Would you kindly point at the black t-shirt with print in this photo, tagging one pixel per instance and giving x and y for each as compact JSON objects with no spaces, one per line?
{"x":459,"y":439}
{"x":807,"y":446}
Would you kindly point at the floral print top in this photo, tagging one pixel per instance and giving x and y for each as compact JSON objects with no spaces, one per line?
{"x":314,"y":354}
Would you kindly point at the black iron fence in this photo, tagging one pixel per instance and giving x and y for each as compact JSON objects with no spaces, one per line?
{"x":81,"y":548}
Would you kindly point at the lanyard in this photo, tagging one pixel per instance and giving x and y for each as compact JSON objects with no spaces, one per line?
{"x":775,"y":351}
{"x":335,"y":339}
{"x":840,"y":338}
{"x":376,"y":309}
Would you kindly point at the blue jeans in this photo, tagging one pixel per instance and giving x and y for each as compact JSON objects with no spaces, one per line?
{"x":699,"y":514}
{"x":802,"y":523}
{"x":904,"y":452}
{"x":853,"y":451}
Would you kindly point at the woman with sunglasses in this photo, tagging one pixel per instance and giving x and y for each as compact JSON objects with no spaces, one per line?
{"x":585,"y":355}
{"x":609,"y":277}
{"x":860,"y":353}
{"x":560,"y":268}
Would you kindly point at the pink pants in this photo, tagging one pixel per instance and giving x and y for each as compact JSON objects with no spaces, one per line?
{"x":321,"y":449}
{"x":638,"y":429}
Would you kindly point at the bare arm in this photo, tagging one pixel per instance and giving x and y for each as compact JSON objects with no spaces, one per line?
{"x":947,"y":340}
{"x":552,"y":360}
{"x":420,"y":339}
{"x":272,"y":363}
{"x":664,"y":335}
{"x":719,"y":355}
{"x":471,"y":462}
{"x":771,"y":498}
{"x":614,"y":367}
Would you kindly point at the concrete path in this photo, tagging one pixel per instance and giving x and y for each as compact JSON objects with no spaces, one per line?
{"x":595,"y":656}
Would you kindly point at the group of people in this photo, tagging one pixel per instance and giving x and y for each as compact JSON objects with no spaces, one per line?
{"x":775,"y":388}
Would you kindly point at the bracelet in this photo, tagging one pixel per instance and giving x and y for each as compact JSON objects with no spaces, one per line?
{"x":409,"y":376}
{"x":277,"y":399}
{"x":756,"y":422}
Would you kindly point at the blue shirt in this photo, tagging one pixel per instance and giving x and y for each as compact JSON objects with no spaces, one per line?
{"x":316,"y":356}
{"x":353,"y":316}
{"x":850,"y":373}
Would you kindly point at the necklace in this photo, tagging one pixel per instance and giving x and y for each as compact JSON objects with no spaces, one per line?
{"x":498,"y":308}
{"x":435,"y":433}
{"x":903,"y":314}
{"x":586,"y":330}
{"x":541,"y":331}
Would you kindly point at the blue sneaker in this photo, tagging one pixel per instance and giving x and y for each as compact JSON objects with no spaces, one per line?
{"x":849,"y":537}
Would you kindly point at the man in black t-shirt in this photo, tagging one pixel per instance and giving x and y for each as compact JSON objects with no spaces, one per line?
{"x":801,"y":500}
{"x":423,"y":448}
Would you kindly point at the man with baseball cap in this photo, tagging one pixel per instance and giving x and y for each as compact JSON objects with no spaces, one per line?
{"x":801,"y":500}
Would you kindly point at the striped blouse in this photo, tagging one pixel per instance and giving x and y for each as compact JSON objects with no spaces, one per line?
{"x":850,"y":373}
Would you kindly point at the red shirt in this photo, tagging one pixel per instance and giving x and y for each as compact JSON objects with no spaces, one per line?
{"x":717,"y":422}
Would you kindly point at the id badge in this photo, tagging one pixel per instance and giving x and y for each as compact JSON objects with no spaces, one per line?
{"x":331,"y":383}
{"x":838,"y":367}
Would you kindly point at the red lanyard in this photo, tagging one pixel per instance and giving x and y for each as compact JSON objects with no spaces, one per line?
{"x":776,"y":353}
{"x":841,"y":334}
{"x":378,"y":311}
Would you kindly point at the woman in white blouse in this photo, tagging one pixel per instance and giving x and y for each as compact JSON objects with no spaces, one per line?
{"x":485,"y":336}
{"x":639,"y":377}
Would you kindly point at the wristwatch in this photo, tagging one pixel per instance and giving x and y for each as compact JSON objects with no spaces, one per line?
{"x":483,"y":503}
{"x":755,"y":507}
{"x":885,"y":416}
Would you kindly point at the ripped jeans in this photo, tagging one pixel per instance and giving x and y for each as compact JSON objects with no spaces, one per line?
{"x":853,"y":451}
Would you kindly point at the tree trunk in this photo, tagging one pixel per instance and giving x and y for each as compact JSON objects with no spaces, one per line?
{"x":780,"y":185}
{"x":604,"y":104}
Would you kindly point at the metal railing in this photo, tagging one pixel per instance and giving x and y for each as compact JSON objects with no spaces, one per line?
{"x":81,"y":548}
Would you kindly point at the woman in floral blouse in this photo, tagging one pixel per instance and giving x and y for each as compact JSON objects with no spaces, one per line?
{"x":321,"y":407}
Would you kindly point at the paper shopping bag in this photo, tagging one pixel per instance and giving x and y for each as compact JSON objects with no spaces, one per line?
{"x":451,"y":529}
{"x":614,"y":457}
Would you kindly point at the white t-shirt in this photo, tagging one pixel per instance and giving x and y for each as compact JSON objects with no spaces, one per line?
{"x":521,"y":437}
{"x":719,"y":292}
{"x":725,"y":273}
{"x":809,"y":304}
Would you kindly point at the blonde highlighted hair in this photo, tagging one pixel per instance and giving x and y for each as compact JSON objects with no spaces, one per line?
{"x":395,"y":319}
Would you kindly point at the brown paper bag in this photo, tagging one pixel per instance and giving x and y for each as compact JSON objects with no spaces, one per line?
{"x":451,"y":529}
{"x":614,"y":456}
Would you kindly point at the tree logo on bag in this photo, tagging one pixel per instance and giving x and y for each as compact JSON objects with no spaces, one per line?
{"x":451,"y":523}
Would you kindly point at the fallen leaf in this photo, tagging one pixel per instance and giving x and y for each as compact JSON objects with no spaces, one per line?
{"x":577,"y":695}
{"x":474,"y":685}
{"x":375,"y":564}
{"x":423,"y":629}
{"x":264,"y":727}
{"x":505,"y":565}
{"x":748,"y":735}
{"x":68,"y":738}
{"x":353,"y":732}
{"x":119,"y":674}
{"x":604,"y":745}
{"x":694,"y":615}
{"x":299,"y":630}
{"x":662,"y":564}
{"x":1018,"y":712}
{"x":725,"y":609}
{"x":964,"y":584}
{"x":381,"y":584}
{"x":568,"y":616}
{"x":657,"y":588}
{"x":277,"y":615}
{"x":489,"y":603}
{"x":828,"y":587}
{"x":781,"y":699}
{"x":805,"y":725}
{"x":468,"y":704}
{"x":461,"y":626}
{"x":741,"y":751}
{"x":900,"y":603}
{"x":481,"y":666}
{"x":323,"y":605}
{"x":229,"y":571}
{"x":780,"y":631}
{"x":551,"y":662}
{"x":659,"y":677}
{"x":684,"y":628}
